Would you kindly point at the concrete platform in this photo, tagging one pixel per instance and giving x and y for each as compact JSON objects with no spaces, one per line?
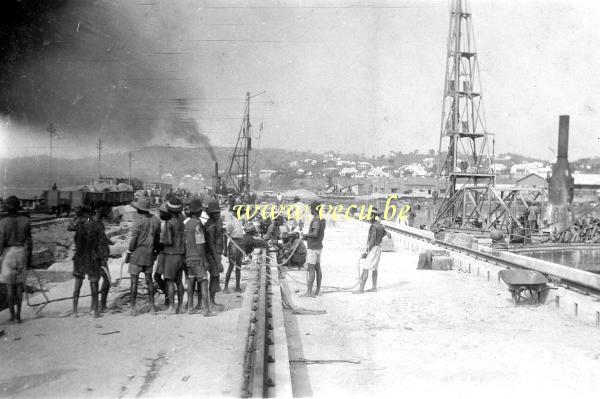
{"x":432,"y":333}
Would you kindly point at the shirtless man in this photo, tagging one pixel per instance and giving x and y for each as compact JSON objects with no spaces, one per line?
{"x":373,"y":254}
{"x":314,"y":241}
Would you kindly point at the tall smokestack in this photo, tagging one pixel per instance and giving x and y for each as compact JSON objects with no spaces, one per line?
{"x":563,"y":136}
{"x":560,"y":189}
{"x":216,"y":169}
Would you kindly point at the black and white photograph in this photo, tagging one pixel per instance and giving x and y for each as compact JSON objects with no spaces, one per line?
{"x":197,"y":197}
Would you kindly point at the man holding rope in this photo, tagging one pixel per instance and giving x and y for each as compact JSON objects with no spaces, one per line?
{"x":373,"y":254}
{"x":314,"y":241}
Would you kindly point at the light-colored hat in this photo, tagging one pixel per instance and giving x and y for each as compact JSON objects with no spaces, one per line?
{"x":142,"y":203}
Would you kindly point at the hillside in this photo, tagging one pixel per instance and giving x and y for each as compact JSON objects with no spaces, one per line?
{"x":149,"y":164}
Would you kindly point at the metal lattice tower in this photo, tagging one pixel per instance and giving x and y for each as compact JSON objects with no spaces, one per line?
{"x":470,"y":200}
{"x":239,"y":175}
{"x":463,"y":128}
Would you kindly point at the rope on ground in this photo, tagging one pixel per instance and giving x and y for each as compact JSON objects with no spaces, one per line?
{"x":288,"y":304}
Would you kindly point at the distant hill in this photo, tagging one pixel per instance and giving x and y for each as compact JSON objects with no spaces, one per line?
{"x":149,"y":163}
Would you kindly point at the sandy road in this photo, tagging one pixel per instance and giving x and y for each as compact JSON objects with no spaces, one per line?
{"x":430,"y":333}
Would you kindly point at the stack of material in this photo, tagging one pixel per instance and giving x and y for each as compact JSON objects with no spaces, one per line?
{"x":584,"y":230}
{"x":435,"y":260}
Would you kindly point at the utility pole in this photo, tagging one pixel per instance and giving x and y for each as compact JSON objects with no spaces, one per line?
{"x":99,"y":147}
{"x":52,"y":131}
{"x":130,"y":155}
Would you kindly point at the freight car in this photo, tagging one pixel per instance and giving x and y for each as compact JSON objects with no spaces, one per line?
{"x":63,"y":201}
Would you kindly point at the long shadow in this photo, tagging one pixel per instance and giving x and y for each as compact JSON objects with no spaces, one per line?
{"x":299,"y":371}
{"x":14,"y":386}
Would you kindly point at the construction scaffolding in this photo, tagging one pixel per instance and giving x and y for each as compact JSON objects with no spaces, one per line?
{"x":467,"y":165}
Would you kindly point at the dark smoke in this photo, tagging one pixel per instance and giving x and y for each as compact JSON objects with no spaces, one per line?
{"x":89,"y":67}
{"x":181,"y":125}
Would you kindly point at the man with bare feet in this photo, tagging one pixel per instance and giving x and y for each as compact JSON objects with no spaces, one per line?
{"x":15,"y":251}
{"x":373,"y":254}
{"x":314,"y":243}
{"x":173,"y":246}
{"x":84,"y":259}
{"x":195,"y":258}
{"x":143,"y":246}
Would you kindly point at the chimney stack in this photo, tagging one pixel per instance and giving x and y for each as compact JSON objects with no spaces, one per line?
{"x":563,"y":136}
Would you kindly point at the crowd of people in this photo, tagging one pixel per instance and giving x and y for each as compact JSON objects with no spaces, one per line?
{"x":179,"y":251}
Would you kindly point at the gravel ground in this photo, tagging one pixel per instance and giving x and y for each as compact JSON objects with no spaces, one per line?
{"x":433,"y":333}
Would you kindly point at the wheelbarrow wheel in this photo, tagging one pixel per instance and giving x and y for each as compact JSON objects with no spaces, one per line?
{"x":515,"y":295}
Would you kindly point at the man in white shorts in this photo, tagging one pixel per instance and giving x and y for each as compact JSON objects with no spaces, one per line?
{"x":373,"y":254}
{"x":314,"y":241}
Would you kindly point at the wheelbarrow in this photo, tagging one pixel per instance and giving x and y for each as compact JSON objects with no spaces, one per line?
{"x":524,"y":285}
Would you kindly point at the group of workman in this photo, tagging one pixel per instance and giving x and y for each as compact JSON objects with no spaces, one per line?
{"x":178,"y":243}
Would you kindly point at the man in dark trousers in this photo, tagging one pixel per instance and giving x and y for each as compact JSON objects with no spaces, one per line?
{"x":214,"y":249}
{"x":314,"y":243}
{"x":85,"y":259}
{"x":373,"y":254}
{"x":145,"y":237}
{"x":15,"y":255}
{"x":237,"y":249}
{"x":195,"y":257}
{"x":173,"y":246}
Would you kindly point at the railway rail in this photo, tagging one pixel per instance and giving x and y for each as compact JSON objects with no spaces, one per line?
{"x":486,"y":257}
{"x":259,"y":357}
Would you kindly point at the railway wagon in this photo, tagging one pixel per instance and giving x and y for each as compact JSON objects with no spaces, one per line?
{"x":59,"y":201}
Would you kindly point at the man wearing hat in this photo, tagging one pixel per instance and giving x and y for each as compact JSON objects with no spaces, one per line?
{"x":314,"y":241}
{"x":214,"y":249}
{"x":144,"y":244}
{"x":373,"y":254}
{"x":15,"y":255}
{"x":195,"y":257}
{"x":173,"y":246}
{"x":159,"y":271}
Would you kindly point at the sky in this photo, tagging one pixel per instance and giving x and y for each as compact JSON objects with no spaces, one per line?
{"x":350,"y":76}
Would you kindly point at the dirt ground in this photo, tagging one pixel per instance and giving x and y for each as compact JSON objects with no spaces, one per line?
{"x":423,"y":334}
{"x":118,"y":355}
{"x":431,"y":333}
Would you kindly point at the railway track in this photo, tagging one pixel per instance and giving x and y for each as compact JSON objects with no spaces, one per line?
{"x":46,"y":221}
{"x":259,"y":358}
